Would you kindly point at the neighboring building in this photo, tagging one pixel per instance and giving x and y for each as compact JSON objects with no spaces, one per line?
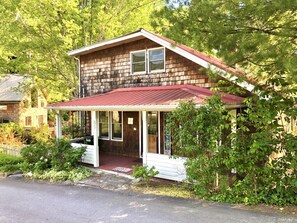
{"x":127,"y":87}
{"x":24,"y":108}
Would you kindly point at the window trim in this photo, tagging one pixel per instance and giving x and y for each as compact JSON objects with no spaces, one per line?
{"x":145,"y":62}
{"x":148,"y":59}
{"x":29,"y":118}
{"x":122,"y":129}
{"x":3,"y":107}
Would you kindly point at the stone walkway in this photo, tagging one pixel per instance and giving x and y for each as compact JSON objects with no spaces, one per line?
{"x":108,"y":180}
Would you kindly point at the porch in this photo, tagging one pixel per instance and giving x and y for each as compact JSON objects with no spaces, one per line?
{"x":132,"y":122}
{"x":117,"y":163}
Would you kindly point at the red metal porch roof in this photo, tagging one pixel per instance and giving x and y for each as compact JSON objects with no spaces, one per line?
{"x":146,"y":96}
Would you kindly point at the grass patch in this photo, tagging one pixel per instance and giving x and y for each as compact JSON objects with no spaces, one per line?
{"x":164,"y":188}
{"x":9,"y":163}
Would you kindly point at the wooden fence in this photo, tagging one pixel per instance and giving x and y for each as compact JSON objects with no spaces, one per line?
{"x":15,"y":151}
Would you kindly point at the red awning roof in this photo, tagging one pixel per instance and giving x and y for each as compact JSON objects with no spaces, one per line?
{"x":161,"y":98}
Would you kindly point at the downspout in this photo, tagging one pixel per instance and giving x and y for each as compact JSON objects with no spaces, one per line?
{"x":81,"y":115}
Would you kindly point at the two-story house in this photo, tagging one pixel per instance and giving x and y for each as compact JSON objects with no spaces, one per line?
{"x":129,"y":84}
{"x":25,"y":107}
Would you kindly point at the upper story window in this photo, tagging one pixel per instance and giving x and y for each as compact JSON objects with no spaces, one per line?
{"x":138,"y":62}
{"x":146,"y":61}
{"x":156,"y":59}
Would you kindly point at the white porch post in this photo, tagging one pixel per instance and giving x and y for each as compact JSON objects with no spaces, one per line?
{"x":58,"y":125}
{"x":144,"y":137}
{"x":95,"y":132}
{"x":233,"y":113}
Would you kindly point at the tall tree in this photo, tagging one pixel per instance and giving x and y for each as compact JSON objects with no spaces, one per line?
{"x":36,"y":35}
{"x":259,"y":36}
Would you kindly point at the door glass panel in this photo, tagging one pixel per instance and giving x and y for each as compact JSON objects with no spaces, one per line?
{"x":152,"y":121}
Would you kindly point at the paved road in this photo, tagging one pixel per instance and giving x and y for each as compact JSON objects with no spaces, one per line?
{"x":22,"y":202}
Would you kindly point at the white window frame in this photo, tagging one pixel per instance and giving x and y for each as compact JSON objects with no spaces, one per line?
{"x":110,"y":127}
{"x":148,"y":60}
{"x":131,"y":62}
{"x":108,"y":137}
{"x":3,"y":107}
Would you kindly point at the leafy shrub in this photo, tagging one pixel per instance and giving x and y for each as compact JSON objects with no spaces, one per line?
{"x":238,"y":166}
{"x":54,"y":175}
{"x":64,"y":157}
{"x":144,"y":173}
{"x":36,"y":157}
{"x":39,"y":134}
{"x":11,"y":134}
{"x":9,"y":163}
{"x":54,"y":154}
{"x":72,"y":131}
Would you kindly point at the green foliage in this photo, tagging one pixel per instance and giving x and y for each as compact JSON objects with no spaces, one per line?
{"x":39,"y":134}
{"x":54,"y":175}
{"x":72,"y":131}
{"x":261,"y":152}
{"x":259,"y":36}
{"x":9,"y":163}
{"x":144,"y":173}
{"x":36,"y":36}
{"x":11,"y":134}
{"x":58,"y":155}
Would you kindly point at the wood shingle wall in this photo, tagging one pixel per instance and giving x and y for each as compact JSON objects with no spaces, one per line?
{"x":109,"y":69}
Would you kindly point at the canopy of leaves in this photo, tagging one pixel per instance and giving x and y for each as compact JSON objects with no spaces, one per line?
{"x":259,"y":36}
{"x":36,"y":36}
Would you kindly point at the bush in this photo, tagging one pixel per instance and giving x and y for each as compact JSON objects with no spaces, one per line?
{"x":143,"y":173}
{"x":54,"y":154}
{"x":11,"y":134}
{"x":39,"y":134}
{"x":9,"y":163}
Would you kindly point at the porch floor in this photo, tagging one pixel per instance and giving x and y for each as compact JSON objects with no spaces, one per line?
{"x":118,"y":163}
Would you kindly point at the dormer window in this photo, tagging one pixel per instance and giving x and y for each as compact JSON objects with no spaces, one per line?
{"x":148,"y":61}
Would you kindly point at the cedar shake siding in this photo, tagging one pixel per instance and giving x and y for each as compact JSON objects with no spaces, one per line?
{"x":108,"y":69}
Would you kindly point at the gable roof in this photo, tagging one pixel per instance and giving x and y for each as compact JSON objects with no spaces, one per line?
{"x":163,"y":98}
{"x":8,"y":88}
{"x":202,"y":59}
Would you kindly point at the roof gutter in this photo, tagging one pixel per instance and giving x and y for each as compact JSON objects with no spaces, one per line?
{"x":164,"y":108}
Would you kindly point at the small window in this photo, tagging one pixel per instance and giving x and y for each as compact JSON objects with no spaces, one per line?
{"x":103,"y":125}
{"x":28,"y":121}
{"x":3,"y":107}
{"x":138,"y":62}
{"x":116,"y":125}
{"x":40,"y":119}
{"x":156,"y":59}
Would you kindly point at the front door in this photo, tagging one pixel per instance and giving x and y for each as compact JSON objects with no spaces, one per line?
{"x":131,"y":134}
{"x":152,"y":122}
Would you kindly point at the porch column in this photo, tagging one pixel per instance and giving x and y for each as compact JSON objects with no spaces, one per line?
{"x":95,"y":132}
{"x":144,"y":136}
{"x":58,"y":125}
{"x":233,"y":113}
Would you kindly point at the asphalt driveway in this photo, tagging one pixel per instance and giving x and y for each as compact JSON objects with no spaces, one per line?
{"x":24,"y":201}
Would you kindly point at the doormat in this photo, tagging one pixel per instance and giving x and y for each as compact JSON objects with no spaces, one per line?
{"x":122,"y":169}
